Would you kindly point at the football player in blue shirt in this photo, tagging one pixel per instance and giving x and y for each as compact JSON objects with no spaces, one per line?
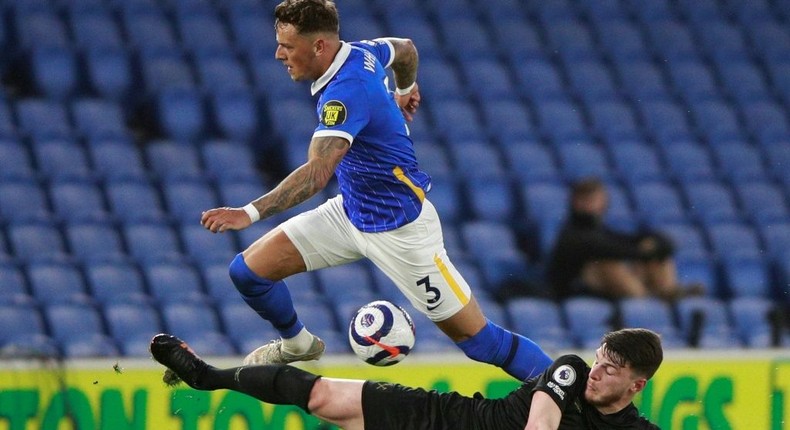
{"x":381,"y":213}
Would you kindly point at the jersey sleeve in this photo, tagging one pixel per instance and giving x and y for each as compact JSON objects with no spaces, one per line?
{"x":343,"y":110}
{"x":382,"y":49}
{"x":564,"y":380}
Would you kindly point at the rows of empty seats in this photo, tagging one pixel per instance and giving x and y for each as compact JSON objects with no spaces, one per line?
{"x":120,"y":121}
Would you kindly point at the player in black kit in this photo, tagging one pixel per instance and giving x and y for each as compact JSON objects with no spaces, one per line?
{"x":567,"y":395}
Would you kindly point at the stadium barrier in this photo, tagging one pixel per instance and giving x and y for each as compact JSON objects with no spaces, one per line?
{"x":740,"y":390}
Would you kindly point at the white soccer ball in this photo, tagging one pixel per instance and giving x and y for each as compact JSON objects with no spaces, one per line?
{"x":381,"y":333}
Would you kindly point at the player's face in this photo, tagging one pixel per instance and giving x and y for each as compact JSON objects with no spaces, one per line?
{"x":610,"y":387}
{"x":296,"y":52}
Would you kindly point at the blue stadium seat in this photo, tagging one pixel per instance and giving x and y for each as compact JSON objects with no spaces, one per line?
{"x":90,"y":241}
{"x":487,"y":79}
{"x":656,"y":11}
{"x":635,"y":161}
{"x":642,"y":80}
{"x":244,"y":327}
{"x":79,"y":331}
{"x":98,"y":118}
{"x":738,"y":161}
{"x":8,"y":128}
{"x":317,"y":316}
{"x":202,"y":31}
{"x":546,"y":206}
{"x":751,"y":317}
{"x":116,"y":159}
{"x":181,"y":113}
{"x":95,"y":28}
{"x":743,"y":81}
{"x":571,"y":39}
{"x":579,"y":159}
{"x":613,"y":120}
{"x":688,"y":239}
{"x":447,"y":197}
{"x":621,"y":39}
{"x":186,"y":200}
{"x":39,"y":27}
{"x":670,"y":39}
{"x":604,"y":11}
{"x":34,"y":241}
{"x":272,"y":81}
{"x":132,"y":201}
{"x":734,"y":239}
{"x":699,"y":270}
{"x":779,"y":73}
{"x":24,"y":334}
{"x":53,"y":283}
{"x":432,"y":157}
{"x":765,"y":120}
{"x":654,"y":314}
{"x":220,"y":71}
{"x":531,"y":162}
{"x":283,"y":114}
{"x":235,"y":114}
{"x":16,"y":162}
{"x":716,"y":120}
{"x":111,"y":282}
{"x":541,"y":321}
{"x":505,"y":268}
{"x":43,"y":118}
{"x":721,"y":40}
{"x":514,"y":27}
{"x":132,"y":325}
{"x":151,"y":242}
{"x":161,"y":70}
{"x":219,"y":286}
{"x":591,"y":81}
{"x":476,"y":159}
{"x":22,"y":200}
{"x":203,"y":247}
{"x":229,"y":160}
{"x":54,"y":71}
{"x":487,"y":238}
{"x":361,"y":26}
{"x":589,"y":318}
{"x":148,"y":30}
{"x":688,"y":161}
{"x":491,"y":199}
{"x":477,"y":42}
{"x":75,"y":201}
{"x":172,"y":160}
{"x":108,"y":72}
{"x":776,"y":237}
{"x":440,"y":80}
{"x":705,"y":322}
{"x":451,"y":120}
{"x":238,"y":193}
{"x":342,"y":280}
{"x":14,"y":286}
{"x":747,"y":276}
{"x":700,"y":10}
{"x":665,"y":120}
{"x":620,"y":214}
{"x":61,"y":159}
{"x":762,"y":201}
{"x":711,"y":202}
{"x":561,"y":121}
{"x":539,"y":79}
{"x":657,"y":202}
{"x":174,"y":283}
{"x":693,"y":80}
{"x":770,"y":39}
{"x":507,"y":121}
{"x":199,"y":325}
{"x":251,"y":29}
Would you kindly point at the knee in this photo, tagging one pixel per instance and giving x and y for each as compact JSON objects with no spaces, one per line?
{"x":245,"y":280}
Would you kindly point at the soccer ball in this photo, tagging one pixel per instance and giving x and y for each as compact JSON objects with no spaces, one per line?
{"x":381,"y":333}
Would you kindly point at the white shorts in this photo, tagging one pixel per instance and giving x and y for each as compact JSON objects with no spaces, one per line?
{"x":412,"y":256}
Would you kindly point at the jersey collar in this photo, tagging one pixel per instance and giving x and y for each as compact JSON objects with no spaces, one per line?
{"x":340,"y":58}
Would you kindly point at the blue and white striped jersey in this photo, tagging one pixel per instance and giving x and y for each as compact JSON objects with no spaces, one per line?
{"x":381,"y":185}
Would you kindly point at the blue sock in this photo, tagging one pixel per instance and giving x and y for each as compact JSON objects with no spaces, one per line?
{"x":515,"y":354}
{"x":270,"y":299}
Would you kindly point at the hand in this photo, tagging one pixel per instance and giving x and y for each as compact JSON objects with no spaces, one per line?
{"x":220,"y":220}
{"x":409,"y":103}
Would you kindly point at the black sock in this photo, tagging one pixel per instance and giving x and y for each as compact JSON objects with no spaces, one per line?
{"x":278,"y":384}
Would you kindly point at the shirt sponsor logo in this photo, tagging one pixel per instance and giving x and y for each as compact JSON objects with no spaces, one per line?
{"x":333,"y":113}
{"x":564,"y":375}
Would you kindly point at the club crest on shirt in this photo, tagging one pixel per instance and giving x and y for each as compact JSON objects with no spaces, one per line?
{"x":333,"y":113}
{"x":564,"y":375}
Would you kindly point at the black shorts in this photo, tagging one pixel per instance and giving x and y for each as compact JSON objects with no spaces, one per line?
{"x":394,"y":407}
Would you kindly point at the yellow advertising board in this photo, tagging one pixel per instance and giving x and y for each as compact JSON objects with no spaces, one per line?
{"x":703,"y":391}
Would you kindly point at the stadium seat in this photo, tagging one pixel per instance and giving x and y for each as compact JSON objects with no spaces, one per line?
{"x":342,"y":280}
{"x":95,"y":28}
{"x":487,"y":238}
{"x":161,"y":70}
{"x":653,"y":314}
{"x":361,"y":26}
{"x":14,"y":286}
{"x":665,"y":120}
{"x":134,"y":201}
{"x":61,"y":159}
{"x":541,"y":321}
{"x":657,"y":202}
{"x":711,"y":202}
{"x":202,"y":333}
{"x":561,"y":121}
{"x":621,"y":39}
{"x":8,"y":128}
{"x":244,"y":327}
{"x":487,"y":79}
{"x":89,"y":241}
{"x":491,"y":199}
{"x":620,"y":214}
{"x":132,"y":325}
{"x":43,"y":118}
{"x":588,"y":319}
{"x":670,"y":39}
{"x":746,"y":276}
{"x":38,"y":27}
{"x":716,"y":120}
{"x":752,"y":318}
{"x":693,"y":80}
{"x":477,"y":41}
{"x":738,"y":161}
{"x":79,"y":331}
{"x":762,"y":201}
{"x":531,"y":162}
{"x":451,"y":120}
{"x":109,"y":72}
{"x":512,"y":26}
{"x":116,"y":159}
{"x":687,"y":238}
{"x":507,"y":120}
{"x":181,"y":113}
{"x":76,"y":201}
{"x":317,"y":316}
{"x":776,"y":237}
{"x":98,"y":118}
{"x":54,"y":71}
{"x":743,"y":81}
{"x":172,"y":160}
{"x":235,"y":114}
{"x":688,"y":161}
{"x":571,"y":39}
{"x":546,"y":206}
{"x":202,"y":31}
{"x":236,"y":193}
{"x":704,"y":321}
{"x":734,"y":239}
{"x":539,"y":79}
{"x":699,"y":270}
{"x":24,"y":335}
{"x":642,"y":80}
{"x":186,"y":200}
{"x":635,"y":161}
{"x":148,"y":30}
{"x":505,"y":269}
{"x":36,"y":241}
{"x":579,"y":159}
{"x":229,"y":160}
{"x":591,"y":81}
{"x":271,"y":81}
{"x":174,"y":282}
{"x":203,"y":247}
{"x":219,"y":286}
{"x":151,"y":242}
{"x":770,"y":39}
{"x":432,"y":156}
{"x":447,"y":197}
{"x":765,"y":121}
{"x":220,"y":71}
{"x":15,"y":161}
{"x":251,"y":30}
{"x":613,"y":120}
{"x":476,"y":159}
{"x":55,"y":282}
{"x":23,"y":200}
{"x":112,"y":282}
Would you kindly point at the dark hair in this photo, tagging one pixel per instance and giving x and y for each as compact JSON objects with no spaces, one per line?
{"x":586,"y":187}
{"x":636,"y":347}
{"x":308,"y":16}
